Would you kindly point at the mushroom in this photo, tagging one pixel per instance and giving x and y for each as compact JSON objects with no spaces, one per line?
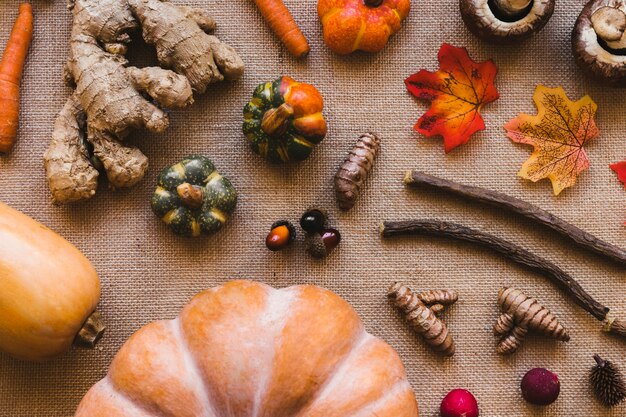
{"x":599,"y":40}
{"x":505,"y":21}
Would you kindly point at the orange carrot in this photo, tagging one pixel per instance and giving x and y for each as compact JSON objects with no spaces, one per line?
{"x":10,"y":75}
{"x":282,"y":24}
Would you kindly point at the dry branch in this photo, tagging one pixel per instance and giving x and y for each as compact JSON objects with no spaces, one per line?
{"x":530,"y":211}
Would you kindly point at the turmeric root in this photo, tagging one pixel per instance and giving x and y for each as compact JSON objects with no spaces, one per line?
{"x":520,"y":314}
{"x":353,"y":172}
{"x":111,"y":99}
{"x":420,"y":311}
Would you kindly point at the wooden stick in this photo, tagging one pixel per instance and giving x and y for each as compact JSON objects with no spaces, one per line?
{"x":523,"y":208}
{"x":517,"y":254}
{"x":615,"y":326}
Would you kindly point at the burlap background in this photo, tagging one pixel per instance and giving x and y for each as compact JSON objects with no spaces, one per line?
{"x":147,"y":273}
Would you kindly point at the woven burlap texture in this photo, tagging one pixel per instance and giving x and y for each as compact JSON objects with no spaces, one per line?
{"x":148,"y":274}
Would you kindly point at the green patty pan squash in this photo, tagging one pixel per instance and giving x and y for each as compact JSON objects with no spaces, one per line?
{"x":192,"y":197}
{"x":284,"y":121}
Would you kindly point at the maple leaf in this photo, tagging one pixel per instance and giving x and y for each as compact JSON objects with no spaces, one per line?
{"x":620,"y":169}
{"x":557,"y":133}
{"x":457,"y":92}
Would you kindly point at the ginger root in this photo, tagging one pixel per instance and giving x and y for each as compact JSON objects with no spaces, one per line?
{"x":421,"y":312}
{"x":520,"y":314}
{"x":111,"y":98}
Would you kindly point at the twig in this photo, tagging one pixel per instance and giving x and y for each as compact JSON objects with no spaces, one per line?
{"x":517,"y":254}
{"x":523,"y":208}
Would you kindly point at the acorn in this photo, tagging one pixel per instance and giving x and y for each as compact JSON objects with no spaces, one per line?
{"x":607,"y":382}
{"x":313,"y":220}
{"x":319,"y":245}
{"x":280,"y":236}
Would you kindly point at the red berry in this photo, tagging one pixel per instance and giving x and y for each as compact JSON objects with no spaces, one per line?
{"x":540,"y":386}
{"x":459,"y":403}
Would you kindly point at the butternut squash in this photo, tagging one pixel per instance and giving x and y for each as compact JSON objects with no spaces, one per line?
{"x":48,"y":290}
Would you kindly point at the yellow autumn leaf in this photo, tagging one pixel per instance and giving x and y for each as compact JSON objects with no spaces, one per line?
{"x":558,"y":134}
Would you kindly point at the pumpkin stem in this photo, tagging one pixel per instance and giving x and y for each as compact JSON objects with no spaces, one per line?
{"x":190,"y":195}
{"x":91,"y":332}
{"x":373,"y":3}
{"x":274,"y":121}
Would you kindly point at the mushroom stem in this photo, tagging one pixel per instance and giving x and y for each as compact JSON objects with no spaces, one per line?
{"x":609,"y":23}
{"x":373,"y":3}
{"x":514,"y":9}
{"x":91,"y":332}
{"x":274,"y":121}
{"x":191,"y":196}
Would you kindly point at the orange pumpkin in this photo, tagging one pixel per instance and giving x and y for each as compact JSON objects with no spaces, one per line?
{"x":284,"y":121}
{"x":246,"y":349}
{"x":366,"y":25}
{"x":48,"y":290}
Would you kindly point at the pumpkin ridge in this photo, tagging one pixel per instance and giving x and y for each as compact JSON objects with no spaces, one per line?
{"x":395,"y":389}
{"x":121,"y":395}
{"x":330,"y":14}
{"x":284,"y":297}
{"x":203,"y":393}
{"x":360,"y":341}
{"x":359,"y":36}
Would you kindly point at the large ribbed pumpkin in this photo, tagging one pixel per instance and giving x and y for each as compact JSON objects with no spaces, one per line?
{"x":247,"y":350}
{"x":48,"y":290}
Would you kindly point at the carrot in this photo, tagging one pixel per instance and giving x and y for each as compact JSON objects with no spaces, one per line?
{"x":282,"y":24}
{"x":11,"y":69}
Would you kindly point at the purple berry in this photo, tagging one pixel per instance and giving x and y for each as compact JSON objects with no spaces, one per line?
{"x":540,"y":386}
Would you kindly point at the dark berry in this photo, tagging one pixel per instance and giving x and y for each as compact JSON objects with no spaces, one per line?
{"x":331,"y":238}
{"x":313,"y":220}
{"x":540,"y":386}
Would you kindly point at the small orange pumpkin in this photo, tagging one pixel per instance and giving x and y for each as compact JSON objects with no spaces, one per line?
{"x":365,"y":25}
{"x":284,"y":121}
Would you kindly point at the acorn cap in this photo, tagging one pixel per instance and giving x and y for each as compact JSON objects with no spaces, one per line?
{"x":315,"y":245}
{"x":505,"y":21}
{"x":599,"y":48}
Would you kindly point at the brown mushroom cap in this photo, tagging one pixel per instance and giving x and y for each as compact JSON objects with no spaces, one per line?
{"x":505,"y":21}
{"x":596,"y":41}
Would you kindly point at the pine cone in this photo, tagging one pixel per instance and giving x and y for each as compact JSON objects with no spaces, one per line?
{"x":607,"y":382}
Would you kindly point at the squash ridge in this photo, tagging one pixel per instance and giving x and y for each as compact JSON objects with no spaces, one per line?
{"x":396,"y":389}
{"x":137,"y":405}
{"x":204,"y":395}
{"x":286,"y":297}
{"x":361,"y":340}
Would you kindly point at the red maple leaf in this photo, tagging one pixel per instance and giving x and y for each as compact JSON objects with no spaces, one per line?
{"x":457,"y":92}
{"x":620,"y":170}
